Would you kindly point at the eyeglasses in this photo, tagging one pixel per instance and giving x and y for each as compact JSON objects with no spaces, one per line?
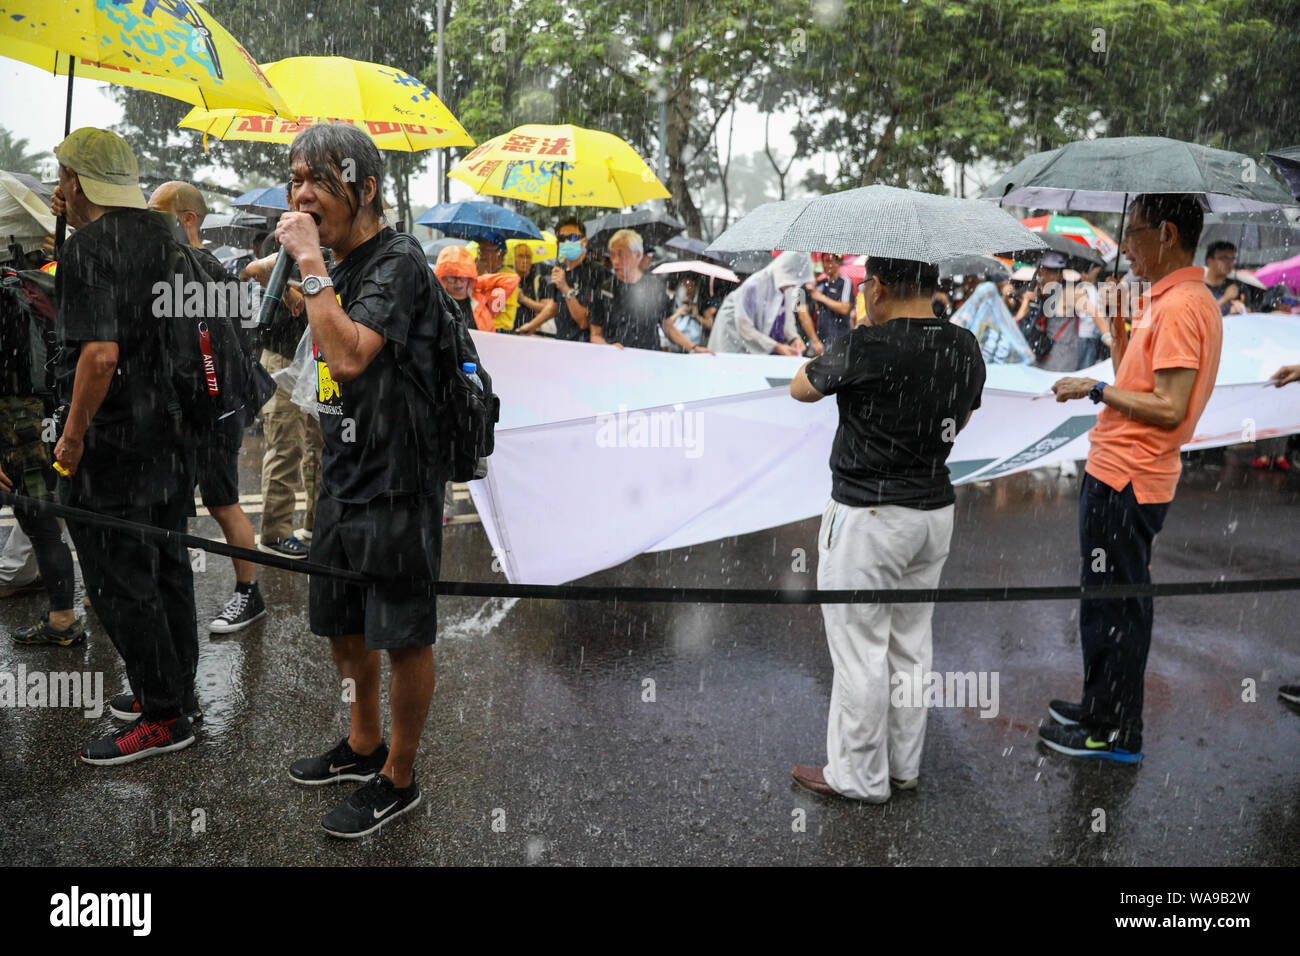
{"x":1133,"y":229}
{"x":566,"y":237}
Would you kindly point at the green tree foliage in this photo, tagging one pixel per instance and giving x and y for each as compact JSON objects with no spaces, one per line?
{"x":15,"y":157}
{"x":896,"y":91}
{"x":903,"y":89}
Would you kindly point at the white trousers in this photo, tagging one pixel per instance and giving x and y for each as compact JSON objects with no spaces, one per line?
{"x":18,"y":560}
{"x":867,"y":740}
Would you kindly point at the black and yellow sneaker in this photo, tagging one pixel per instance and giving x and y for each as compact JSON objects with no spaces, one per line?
{"x":374,"y":805}
{"x":340,"y":765}
{"x":43,"y":633}
{"x":1081,"y":742}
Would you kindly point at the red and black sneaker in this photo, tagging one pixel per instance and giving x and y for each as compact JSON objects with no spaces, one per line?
{"x":135,"y":741}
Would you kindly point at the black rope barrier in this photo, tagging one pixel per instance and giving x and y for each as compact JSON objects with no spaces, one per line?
{"x":671,"y":595}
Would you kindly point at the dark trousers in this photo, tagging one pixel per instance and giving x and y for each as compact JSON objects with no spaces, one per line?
{"x":1115,"y":536}
{"x":141,"y":589}
{"x":52,"y":557}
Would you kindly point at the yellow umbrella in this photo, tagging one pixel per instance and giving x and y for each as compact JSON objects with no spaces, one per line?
{"x":558,"y":165}
{"x":393,"y":107}
{"x":543,"y":248}
{"x":176,"y":49}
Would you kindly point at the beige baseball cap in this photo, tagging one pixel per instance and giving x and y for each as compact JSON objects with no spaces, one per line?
{"x":105,"y":165}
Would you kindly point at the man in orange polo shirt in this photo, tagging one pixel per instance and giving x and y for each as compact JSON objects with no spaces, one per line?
{"x":1164,"y":373}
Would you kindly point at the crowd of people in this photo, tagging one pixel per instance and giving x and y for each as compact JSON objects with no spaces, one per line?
{"x":370,"y":307}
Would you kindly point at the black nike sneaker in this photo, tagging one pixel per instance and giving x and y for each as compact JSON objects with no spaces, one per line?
{"x":1080,"y":742}
{"x":1065,"y":713}
{"x":339,"y":766}
{"x":374,"y":805}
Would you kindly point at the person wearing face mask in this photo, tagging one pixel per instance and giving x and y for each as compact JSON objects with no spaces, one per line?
{"x":761,"y":316}
{"x":571,"y":296}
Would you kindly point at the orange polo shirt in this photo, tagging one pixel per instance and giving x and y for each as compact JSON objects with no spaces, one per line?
{"x":1176,"y":326}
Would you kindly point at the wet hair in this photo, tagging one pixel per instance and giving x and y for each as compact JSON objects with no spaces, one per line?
{"x":572,"y":221}
{"x":330,"y":150}
{"x":630,"y":238}
{"x":906,"y":278}
{"x":1182,"y":210}
{"x":1214,"y":248}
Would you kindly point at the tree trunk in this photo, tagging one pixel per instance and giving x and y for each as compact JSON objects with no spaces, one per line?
{"x":723,"y":170}
{"x":767,"y":150}
{"x":883,"y":146}
{"x":679,"y":136}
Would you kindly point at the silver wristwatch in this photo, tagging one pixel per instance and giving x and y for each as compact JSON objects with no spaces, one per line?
{"x":313,"y":284}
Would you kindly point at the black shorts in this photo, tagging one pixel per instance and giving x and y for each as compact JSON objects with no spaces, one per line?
{"x":396,"y":540}
{"x":217,"y":473}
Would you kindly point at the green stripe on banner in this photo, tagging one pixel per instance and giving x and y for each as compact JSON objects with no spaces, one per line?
{"x":1062,"y":434}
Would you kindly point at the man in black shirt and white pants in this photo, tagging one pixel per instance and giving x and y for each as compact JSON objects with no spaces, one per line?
{"x":905,"y":385}
{"x":380,"y":509}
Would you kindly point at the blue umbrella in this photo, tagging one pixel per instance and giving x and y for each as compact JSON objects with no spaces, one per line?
{"x":473,"y":220}
{"x":267,"y":201}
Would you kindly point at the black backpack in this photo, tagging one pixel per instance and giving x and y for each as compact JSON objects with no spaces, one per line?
{"x":28,"y":341}
{"x":213,"y":376}
{"x":454,"y":420}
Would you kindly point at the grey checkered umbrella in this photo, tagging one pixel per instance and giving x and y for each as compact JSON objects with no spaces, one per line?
{"x":880,"y":221}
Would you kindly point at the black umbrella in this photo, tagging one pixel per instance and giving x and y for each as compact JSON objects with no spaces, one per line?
{"x":1287,"y":162}
{"x":654,"y":228}
{"x":1260,"y":237}
{"x":1065,"y":246}
{"x":974,"y":266}
{"x":686,"y":244}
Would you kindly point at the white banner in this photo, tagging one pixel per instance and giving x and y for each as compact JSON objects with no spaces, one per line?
{"x":604,"y":453}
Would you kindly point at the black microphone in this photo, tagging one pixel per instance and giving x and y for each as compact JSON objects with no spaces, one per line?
{"x":276,"y":283}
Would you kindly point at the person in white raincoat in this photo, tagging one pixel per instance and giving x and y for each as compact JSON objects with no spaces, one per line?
{"x":760,"y":316}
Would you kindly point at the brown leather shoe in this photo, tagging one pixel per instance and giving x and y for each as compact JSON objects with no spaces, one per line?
{"x":812,"y":779}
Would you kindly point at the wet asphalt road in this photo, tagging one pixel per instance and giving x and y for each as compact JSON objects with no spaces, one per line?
{"x":540,"y":748}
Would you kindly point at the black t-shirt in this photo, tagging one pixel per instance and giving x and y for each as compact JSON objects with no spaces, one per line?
{"x":831,"y":326}
{"x":585,"y":281}
{"x":369,"y":440}
{"x":634,"y":313}
{"x":904,"y":388}
{"x":1218,"y":290}
{"x":104,"y":287}
{"x":534,"y":285}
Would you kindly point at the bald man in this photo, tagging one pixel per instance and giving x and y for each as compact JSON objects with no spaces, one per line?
{"x":218,"y":459}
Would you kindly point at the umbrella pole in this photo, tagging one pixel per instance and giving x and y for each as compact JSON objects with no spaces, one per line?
{"x":561,"y":183}
{"x":61,"y":225}
{"x":1123,"y":216}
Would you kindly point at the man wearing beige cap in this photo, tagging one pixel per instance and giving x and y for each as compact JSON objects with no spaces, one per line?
{"x":120,"y":444}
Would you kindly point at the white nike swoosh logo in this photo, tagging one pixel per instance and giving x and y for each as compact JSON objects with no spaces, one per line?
{"x":334,"y":769}
{"x":380,"y":813}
